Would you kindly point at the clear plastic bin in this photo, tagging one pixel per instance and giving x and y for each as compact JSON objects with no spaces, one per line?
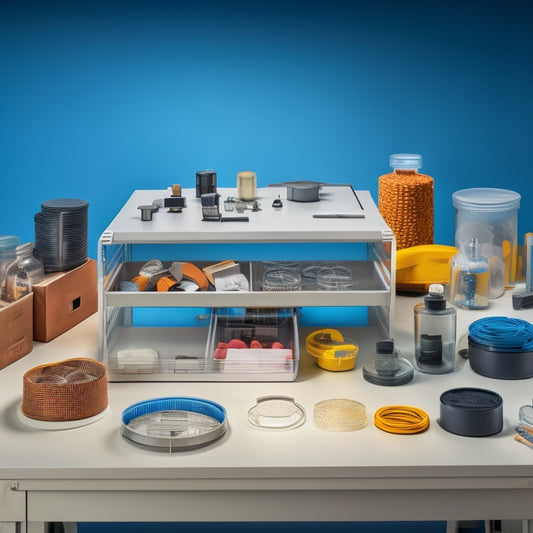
{"x":490,"y":216}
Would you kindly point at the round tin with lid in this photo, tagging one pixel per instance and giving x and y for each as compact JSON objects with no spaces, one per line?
{"x":471,"y":412}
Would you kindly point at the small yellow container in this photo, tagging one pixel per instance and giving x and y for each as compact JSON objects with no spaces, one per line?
{"x":332,"y":350}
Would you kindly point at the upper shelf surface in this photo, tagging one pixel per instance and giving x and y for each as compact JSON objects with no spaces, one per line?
{"x":294,"y":222}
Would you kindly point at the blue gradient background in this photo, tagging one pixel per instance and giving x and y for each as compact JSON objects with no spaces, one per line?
{"x":100,"y":98}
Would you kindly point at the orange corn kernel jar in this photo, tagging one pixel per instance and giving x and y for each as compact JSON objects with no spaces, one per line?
{"x":405,"y":201}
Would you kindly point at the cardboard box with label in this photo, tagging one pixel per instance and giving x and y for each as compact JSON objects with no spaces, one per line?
{"x":64,"y":299}
{"x":16,"y":327}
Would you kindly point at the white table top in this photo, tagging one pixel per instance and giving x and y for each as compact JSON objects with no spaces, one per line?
{"x":326,"y":459}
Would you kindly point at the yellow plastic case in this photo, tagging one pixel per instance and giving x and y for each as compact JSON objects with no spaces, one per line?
{"x":418,"y":267}
{"x":332,"y":350}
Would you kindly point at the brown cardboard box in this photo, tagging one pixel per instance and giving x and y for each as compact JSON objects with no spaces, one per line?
{"x":16,"y":330}
{"x":64,"y":299}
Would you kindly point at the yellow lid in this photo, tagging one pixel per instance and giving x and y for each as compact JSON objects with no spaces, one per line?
{"x":332,"y":350}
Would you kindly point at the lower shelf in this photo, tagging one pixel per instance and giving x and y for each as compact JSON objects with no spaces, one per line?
{"x":207,"y":354}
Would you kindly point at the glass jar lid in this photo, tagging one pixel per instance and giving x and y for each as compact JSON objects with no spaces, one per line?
{"x":406,"y":161}
{"x":486,"y":199}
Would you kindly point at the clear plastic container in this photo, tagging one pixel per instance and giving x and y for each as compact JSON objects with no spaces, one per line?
{"x":435,"y":331}
{"x":8,"y":253}
{"x":23,"y":273}
{"x":470,"y":279}
{"x":490,"y":216}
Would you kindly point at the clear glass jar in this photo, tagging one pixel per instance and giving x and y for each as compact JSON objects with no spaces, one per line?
{"x":435,"y":330}
{"x":8,"y":253}
{"x":491,"y":217}
{"x":23,"y":273}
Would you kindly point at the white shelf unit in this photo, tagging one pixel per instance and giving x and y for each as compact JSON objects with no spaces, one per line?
{"x":178,"y":325}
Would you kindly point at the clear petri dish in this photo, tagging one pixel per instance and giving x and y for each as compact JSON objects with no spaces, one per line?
{"x":174,"y":423}
{"x":276,"y":412}
{"x":282,"y":279}
{"x":334,"y":278}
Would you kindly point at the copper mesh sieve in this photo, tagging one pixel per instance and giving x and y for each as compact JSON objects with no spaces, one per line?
{"x":73,"y":389}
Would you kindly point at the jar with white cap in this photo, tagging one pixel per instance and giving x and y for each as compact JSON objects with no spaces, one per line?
{"x":490,"y":216}
{"x":435,"y":331}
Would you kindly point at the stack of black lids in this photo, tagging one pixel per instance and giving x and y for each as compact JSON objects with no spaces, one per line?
{"x":61,"y":234}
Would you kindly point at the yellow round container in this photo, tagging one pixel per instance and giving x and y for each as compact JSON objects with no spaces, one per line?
{"x":332,"y":350}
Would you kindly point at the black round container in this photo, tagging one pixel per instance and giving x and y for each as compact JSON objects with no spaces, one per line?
{"x":492,"y":363}
{"x":471,"y":412}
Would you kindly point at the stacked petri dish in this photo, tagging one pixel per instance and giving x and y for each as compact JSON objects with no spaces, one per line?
{"x":61,"y":234}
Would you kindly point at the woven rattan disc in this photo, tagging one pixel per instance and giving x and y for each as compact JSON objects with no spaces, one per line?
{"x":74,"y":389}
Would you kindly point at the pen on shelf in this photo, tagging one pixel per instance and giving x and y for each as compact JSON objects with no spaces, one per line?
{"x":338,"y":215}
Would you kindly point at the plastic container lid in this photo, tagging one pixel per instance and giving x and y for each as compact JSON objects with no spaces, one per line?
{"x":276,"y":412}
{"x":486,"y":199}
{"x":406,"y":161}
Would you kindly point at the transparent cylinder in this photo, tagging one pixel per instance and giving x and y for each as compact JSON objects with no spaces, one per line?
{"x":491,"y":217}
{"x":23,"y":273}
{"x":435,"y":331}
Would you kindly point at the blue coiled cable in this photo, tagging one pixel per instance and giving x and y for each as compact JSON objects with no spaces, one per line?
{"x":503,"y":333}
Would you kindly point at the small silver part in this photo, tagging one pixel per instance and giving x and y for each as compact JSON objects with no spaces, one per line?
{"x":147,"y":211}
{"x":153,"y":270}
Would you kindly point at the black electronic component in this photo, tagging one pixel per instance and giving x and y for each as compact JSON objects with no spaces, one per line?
{"x":175,"y":201}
